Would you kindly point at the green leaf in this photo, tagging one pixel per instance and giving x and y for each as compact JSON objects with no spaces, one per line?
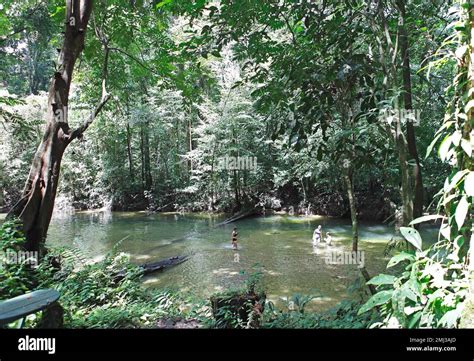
{"x":445,"y":231}
{"x":407,"y":292}
{"x":163,"y":3}
{"x":403,"y":256}
{"x":382,"y":279}
{"x":432,"y":144}
{"x":469,"y":184}
{"x":456,"y":138}
{"x":461,"y":211}
{"x":461,"y":51}
{"x":58,"y":11}
{"x":444,"y":147}
{"x":469,"y":105}
{"x":416,"y":317}
{"x":459,"y":240}
{"x":376,"y":300}
{"x":454,"y":181}
{"x":422,"y":219}
{"x":450,"y":318}
{"x":466,"y":146}
{"x":412,"y":236}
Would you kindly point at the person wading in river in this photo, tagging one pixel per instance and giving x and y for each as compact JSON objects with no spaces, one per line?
{"x":317,"y":234}
{"x":328,"y":239}
{"x":234,"y":238}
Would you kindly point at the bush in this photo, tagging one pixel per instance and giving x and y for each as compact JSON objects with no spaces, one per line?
{"x":430,"y":292}
{"x":106,"y":294}
{"x":343,"y":315}
{"x":17,"y":276}
{"x":94,"y":297}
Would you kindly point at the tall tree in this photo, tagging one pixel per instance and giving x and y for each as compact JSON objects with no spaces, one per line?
{"x":408,"y":104}
{"x":36,"y":205}
{"x":390,"y":41}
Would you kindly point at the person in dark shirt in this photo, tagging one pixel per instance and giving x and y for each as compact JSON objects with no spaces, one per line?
{"x":234,"y":238}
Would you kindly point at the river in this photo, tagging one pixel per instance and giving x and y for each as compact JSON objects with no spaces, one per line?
{"x":279,"y":244}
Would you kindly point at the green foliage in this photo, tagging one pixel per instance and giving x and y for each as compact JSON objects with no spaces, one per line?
{"x":382,"y":279}
{"x":192,"y":83}
{"x":94,"y":297}
{"x":91,"y":293}
{"x":234,"y":308}
{"x":16,"y":275}
{"x":283,"y":319}
{"x":296,"y":84}
{"x":343,"y":315}
{"x":429,"y":292}
{"x":27,"y":40}
{"x":433,"y":288}
{"x":412,"y":236}
{"x":253,"y":281}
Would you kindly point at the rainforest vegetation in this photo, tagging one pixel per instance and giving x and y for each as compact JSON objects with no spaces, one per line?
{"x":354,"y":111}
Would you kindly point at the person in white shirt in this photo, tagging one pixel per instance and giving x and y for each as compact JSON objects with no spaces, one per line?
{"x":328,"y":239}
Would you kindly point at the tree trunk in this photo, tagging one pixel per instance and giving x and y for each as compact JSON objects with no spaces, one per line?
{"x":236,"y":176}
{"x":353,"y":209}
{"x":190,"y":146}
{"x":406,"y":189}
{"x":391,"y":67}
{"x":146,"y":156}
{"x":129,"y":152}
{"x":142,"y":157}
{"x":348,"y":179}
{"x":408,"y":104}
{"x":35,"y":207}
{"x":129,"y":144}
{"x":236,"y":190}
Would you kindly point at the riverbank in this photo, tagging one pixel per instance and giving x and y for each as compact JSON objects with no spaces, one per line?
{"x":372,"y":204}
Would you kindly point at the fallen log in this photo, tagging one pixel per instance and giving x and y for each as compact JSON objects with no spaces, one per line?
{"x":238,"y":216}
{"x":153,"y":266}
{"x":161,"y":265}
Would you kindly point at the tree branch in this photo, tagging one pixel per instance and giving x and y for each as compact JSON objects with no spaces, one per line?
{"x":133,"y":58}
{"x":77,"y":133}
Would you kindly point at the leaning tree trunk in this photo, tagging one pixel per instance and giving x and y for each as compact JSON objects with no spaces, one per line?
{"x":35,"y":207}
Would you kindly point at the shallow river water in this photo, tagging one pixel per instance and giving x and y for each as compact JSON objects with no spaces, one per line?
{"x":279,"y":244}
